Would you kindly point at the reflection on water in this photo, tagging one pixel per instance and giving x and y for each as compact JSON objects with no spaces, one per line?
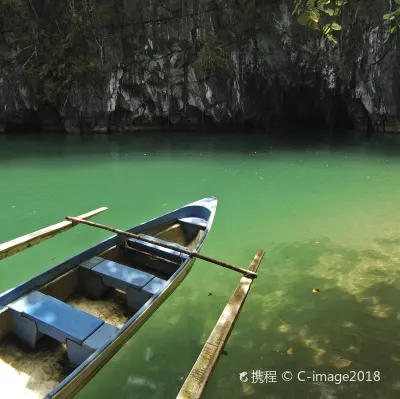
{"x":354,"y":316}
{"x":163,"y":143}
{"x":325,"y":211}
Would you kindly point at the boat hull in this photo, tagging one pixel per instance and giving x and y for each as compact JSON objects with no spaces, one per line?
{"x":204,"y":209}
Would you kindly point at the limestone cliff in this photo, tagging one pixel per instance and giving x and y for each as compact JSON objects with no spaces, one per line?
{"x":274,"y":73}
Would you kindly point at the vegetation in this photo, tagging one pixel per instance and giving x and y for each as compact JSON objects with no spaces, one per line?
{"x":237,"y":22}
{"x":55,"y":44}
{"x":213,"y":58}
{"x":325,"y":15}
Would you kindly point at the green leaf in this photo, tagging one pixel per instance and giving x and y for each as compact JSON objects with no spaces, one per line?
{"x":327,"y":28}
{"x":304,"y":18}
{"x":329,"y":11}
{"x":336,"y":26}
{"x":397,"y":2}
{"x":296,"y":8}
{"x":331,"y":38}
{"x":388,"y":17}
{"x":337,"y":12}
{"x":314,"y":15}
{"x":393,"y":29}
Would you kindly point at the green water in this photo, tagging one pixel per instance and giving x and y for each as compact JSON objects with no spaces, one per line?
{"x":327,"y":216}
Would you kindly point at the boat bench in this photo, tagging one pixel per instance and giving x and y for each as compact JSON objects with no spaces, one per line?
{"x":37,"y":314}
{"x":99,"y":274}
{"x":191,"y":226}
{"x":163,"y":265}
{"x":200,"y":223}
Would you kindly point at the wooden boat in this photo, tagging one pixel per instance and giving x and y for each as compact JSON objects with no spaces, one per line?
{"x":58,"y":329}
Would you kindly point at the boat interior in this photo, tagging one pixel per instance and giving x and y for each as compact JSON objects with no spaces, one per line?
{"x":47,"y":333}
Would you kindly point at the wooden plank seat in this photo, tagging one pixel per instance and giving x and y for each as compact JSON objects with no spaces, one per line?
{"x":167,"y":256}
{"x":167,"y":253}
{"x":191,"y":226}
{"x":194,"y":221}
{"x":37,"y":314}
{"x":100,"y":274}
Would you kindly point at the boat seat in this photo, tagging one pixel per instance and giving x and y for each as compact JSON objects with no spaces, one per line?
{"x":100,"y":274}
{"x":176,"y":257}
{"x":194,"y":221}
{"x":167,"y":253}
{"x":77,"y":354}
{"x":37,"y":314}
{"x":192,"y":226}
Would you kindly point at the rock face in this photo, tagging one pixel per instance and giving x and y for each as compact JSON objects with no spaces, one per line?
{"x":280,"y":74}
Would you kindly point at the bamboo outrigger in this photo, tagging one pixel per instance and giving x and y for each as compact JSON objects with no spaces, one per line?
{"x":19,"y":244}
{"x":200,"y":374}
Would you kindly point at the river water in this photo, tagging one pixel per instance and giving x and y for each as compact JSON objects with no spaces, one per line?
{"x":326,"y":214}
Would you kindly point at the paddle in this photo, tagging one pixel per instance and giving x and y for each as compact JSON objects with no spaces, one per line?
{"x":246,"y":273}
{"x":29,"y":240}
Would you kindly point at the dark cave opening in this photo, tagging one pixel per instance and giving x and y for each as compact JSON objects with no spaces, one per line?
{"x":289,"y":110}
{"x":25,"y":127}
{"x":30,"y":121}
{"x":303,"y":107}
{"x":306,"y":106}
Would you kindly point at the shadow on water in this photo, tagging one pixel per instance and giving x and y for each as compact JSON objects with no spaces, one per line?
{"x":353,"y":316}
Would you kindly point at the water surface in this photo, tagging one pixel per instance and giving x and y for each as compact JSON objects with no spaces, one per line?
{"x":327,"y":216}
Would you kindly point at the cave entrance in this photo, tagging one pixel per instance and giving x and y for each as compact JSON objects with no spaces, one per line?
{"x":29,"y":123}
{"x":302,"y":107}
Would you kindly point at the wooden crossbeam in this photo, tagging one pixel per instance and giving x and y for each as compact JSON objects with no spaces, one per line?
{"x":245,"y":272}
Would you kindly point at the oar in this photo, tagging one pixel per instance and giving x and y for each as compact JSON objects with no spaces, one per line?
{"x":19,"y":244}
{"x":247,"y":273}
